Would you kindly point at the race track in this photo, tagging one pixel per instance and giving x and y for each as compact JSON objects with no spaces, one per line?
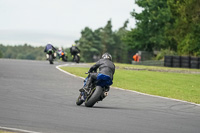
{"x":36,"y":96}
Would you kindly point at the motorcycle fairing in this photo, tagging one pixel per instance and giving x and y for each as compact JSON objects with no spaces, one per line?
{"x":85,"y":81}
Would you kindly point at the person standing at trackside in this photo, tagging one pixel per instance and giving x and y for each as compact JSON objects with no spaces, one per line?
{"x":106,"y":68}
{"x":50,"y":46}
{"x":136,"y":57}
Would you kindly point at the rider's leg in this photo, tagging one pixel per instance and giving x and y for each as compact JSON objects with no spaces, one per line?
{"x":47,"y":56}
{"x":92,"y":77}
{"x":73,"y":56}
{"x":54,"y":55}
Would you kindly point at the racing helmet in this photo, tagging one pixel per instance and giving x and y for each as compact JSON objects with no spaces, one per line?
{"x":60,"y":48}
{"x":107,"y":56}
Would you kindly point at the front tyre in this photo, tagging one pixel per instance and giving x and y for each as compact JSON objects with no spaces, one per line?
{"x":79,"y":101}
{"x":90,"y":101}
{"x":64,"y":58}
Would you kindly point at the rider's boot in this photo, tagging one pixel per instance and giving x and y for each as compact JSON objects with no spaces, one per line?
{"x":85,"y":89}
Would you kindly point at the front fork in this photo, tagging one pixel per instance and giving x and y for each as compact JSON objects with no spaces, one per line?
{"x":83,"y":96}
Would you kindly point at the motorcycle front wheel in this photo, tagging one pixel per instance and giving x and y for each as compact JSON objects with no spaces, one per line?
{"x":79,"y":101}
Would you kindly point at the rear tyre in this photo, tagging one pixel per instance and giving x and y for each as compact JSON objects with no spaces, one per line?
{"x":77,"y":58}
{"x":65,"y":58}
{"x":51,"y":59}
{"x":91,"y":100}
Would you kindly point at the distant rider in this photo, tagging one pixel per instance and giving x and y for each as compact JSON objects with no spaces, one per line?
{"x":50,"y":46}
{"x":74,"y":50}
{"x":106,"y":67}
{"x":60,"y":50}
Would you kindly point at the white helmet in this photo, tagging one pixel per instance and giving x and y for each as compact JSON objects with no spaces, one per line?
{"x":59,"y":48}
{"x":107,"y":56}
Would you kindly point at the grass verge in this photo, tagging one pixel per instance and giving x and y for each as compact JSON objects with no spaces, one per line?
{"x":182,"y":86}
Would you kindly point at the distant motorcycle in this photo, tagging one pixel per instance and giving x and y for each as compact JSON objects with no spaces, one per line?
{"x":62,"y":55}
{"x":50,"y":54}
{"x":98,"y":91}
{"x":76,"y":58}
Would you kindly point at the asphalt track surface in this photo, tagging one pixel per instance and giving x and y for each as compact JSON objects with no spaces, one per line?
{"x":36,"y":96}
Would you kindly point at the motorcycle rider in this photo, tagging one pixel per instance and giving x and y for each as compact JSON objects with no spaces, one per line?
{"x":106,"y":67}
{"x":59,"y":51}
{"x":50,"y":46}
{"x":74,"y":50}
{"x":61,"y":54}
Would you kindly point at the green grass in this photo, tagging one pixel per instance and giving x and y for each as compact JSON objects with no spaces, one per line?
{"x":173,"y":85}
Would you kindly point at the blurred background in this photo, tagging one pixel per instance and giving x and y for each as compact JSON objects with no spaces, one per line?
{"x":153,"y":28}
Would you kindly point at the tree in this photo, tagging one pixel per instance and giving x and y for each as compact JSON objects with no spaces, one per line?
{"x":187,"y":25}
{"x":121,"y":50}
{"x":151,"y":25}
{"x":107,"y":38}
{"x":87,"y":44}
{"x":1,"y":55}
{"x":102,"y":40}
{"x":23,"y":52}
{"x":96,"y":43}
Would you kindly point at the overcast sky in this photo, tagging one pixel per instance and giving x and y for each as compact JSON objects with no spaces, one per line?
{"x":38,"y":22}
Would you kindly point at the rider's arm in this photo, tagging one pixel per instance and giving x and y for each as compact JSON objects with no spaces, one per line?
{"x":94,"y":67}
{"x":54,"y":48}
{"x":78,"y":49}
{"x":45,"y":50}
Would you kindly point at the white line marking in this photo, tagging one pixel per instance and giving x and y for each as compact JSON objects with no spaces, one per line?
{"x":125,"y":89}
{"x":58,"y":67}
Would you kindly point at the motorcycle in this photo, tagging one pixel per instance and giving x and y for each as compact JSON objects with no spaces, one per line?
{"x":99,"y":90}
{"x":50,"y":56}
{"x":62,"y":56}
{"x":76,"y":58}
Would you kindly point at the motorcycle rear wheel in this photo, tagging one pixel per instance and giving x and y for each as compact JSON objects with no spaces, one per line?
{"x":77,"y":58}
{"x":51,"y":59}
{"x":95,"y":97}
{"x":64,"y":58}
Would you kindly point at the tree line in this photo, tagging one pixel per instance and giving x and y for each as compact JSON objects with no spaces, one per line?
{"x":22,"y":52}
{"x":26,"y":51}
{"x":169,"y":26}
{"x":94,"y":43}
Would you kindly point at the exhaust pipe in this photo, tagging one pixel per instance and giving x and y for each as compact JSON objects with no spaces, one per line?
{"x":105,"y":94}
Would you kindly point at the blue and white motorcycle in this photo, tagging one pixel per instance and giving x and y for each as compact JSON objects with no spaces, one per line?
{"x":98,"y":91}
